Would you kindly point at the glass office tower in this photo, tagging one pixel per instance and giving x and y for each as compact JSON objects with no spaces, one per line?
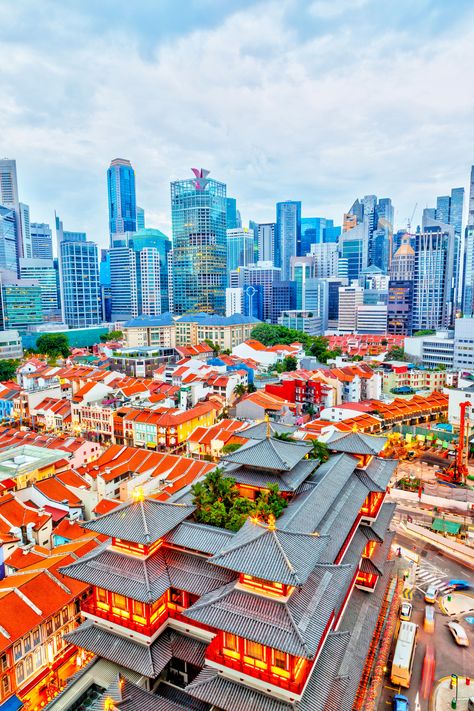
{"x":288,"y":234}
{"x":198,"y":211}
{"x":122,"y":201}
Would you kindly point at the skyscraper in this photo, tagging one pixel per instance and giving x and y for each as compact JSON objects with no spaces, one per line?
{"x":232,"y":215}
{"x":266,"y":241}
{"x":198,"y":210}
{"x":9,"y":198}
{"x":354,"y":247}
{"x":79,"y":278}
{"x":468,"y":260}
{"x":240,"y":243}
{"x":433,"y":277}
{"x":302,"y":269}
{"x":43,"y":271}
{"x":288,"y":235}
{"x":448,"y":211}
{"x":378,"y":216}
{"x":140,"y":218}
{"x":261,"y":276}
{"x":21,"y":302}
{"x":41,"y":240}
{"x":122,"y":201}
{"x":8,"y":243}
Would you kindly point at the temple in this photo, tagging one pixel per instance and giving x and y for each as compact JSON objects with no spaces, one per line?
{"x":278,"y":616}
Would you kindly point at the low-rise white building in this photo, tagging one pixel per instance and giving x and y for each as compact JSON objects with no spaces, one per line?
{"x":10,"y":345}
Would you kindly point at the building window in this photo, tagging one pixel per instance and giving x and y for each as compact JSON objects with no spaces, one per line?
{"x":231,"y":642}
{"x":17,"y":651}
{"x":120,"y":601}
{"x":176,"y":597}
{"x":5,"y":685}
{"x":36,"y":636}
{"x":280,"y":659}
{"x":57,"y":622}
{"x":254,"y":650}
{"x":20,"y":673}
{"x":3,"y":662}
{"x":101,"y":596}
{"x":49,"y":627}
{"x":64,"y":615}
{"x":38,"y":657}
{"x":27,"y":643}
{"x":29,"y":664}
{"x":138,"y":608}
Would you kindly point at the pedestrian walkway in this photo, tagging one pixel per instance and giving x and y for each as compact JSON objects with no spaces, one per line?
{"x":427,"y":574}
{"x":457,"y":603}
{"x":443,"y":694}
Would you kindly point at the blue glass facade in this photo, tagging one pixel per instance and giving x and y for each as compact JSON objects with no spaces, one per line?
{"x":122,"y":199}
{"x":288,"y":235}
{"x":198,"y":210}
{"x":317,"y":230}
{"x":8,"y":241}
{"x":240,"y":248}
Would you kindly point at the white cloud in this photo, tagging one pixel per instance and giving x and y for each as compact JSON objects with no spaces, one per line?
{"x":273,"y":111}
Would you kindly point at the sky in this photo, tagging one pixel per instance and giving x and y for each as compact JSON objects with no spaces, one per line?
{"x":320,"y":100}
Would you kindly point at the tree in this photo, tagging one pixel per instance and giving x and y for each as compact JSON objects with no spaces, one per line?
{"x":396,"y":353}
{"x":271,"y":335}
{"x":251,"y":388}
{"x":269,"y":503}
{"x":290,"y":363}
{"x":8,"y":369}
{"x":424,"y":332}
{"x":319,"y":450}
{"x":240,"y":389}
{"x":319,"y":348}
{"x":283,"y":436}
{"x":111,"y":336}
{"x":229,"y":448}
{"x":215,"y":346}
{"x":53,"y":345}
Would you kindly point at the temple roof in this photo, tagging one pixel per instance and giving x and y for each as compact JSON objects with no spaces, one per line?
{"x":294,"y":625}
{"x":269,"y":453}
{"x":200,"y":537}
{"x":378,"y":528}
{"x":128,"y":696}
{"x":378,"y":473}
{"x":260,"y":430}
{"x":147,"y":579}
{"x":146,"y":659}
{"x":356,"y":443}
{"x":267,"y":552}
{"x":322,"y":690}
{"x":284,"y":480}
{"x":143,"y":521}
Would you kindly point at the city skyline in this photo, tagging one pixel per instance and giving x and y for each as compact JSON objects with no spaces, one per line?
{"x":335,"y":149}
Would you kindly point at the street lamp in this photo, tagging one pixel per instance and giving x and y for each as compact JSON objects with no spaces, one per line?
{"x":454,"y":684}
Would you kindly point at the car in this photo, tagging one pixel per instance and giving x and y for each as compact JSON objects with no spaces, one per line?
{"x":460,"y":584}
{"x":405,"y":611}
{"x":431,"y":594}
{"x":400,"y":703}
{"x":459,"y":634}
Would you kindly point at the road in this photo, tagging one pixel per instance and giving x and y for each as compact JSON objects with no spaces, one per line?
{"x":450,"y":658}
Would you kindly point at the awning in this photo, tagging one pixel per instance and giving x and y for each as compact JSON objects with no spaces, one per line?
{"x":440,"y":524}
{"x":12,"y":704}
{"x":56,"y":514}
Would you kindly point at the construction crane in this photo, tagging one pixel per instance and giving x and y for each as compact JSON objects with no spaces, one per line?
{"x":410,"y":219}
{"x":457,"y":472}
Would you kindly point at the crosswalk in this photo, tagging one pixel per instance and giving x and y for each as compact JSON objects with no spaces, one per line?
{"x":427,"y":575}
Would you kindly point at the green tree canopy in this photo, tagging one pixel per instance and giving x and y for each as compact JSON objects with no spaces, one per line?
{"x":8,"y":369}
{"x":319,"y":450}
{"x":111,"y":336}
{"x":53,"y":345}
{"x":218,"y":502}
{"x":424,"y":332}
{"x":396,"y":353}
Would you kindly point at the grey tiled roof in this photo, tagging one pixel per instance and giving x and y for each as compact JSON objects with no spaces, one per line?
{"x":193,"y":573}
{"x":356,"y":546}
{"x":146,"y":659}
{"x":379,"y":527}
{"x":259,"y":431}
{"x":307,"y":509}
{"x":285,"y":480}
{"x":200,"y":537}
{"x":178,"y":696}
{"x":294,"y":626}
{"x":378,"y":473}
{"x":144,"y":580}
{"x":286,"y":557}
{"x":269,"y":453}
{"x":140,"y":521}
{"x":230,"y":695}
{"x":340,"y":518}
{"x":131,"y":697}
{"x":362,"y":475}
{"x":356,"y":443}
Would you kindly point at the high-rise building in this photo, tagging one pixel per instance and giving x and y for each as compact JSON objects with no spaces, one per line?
{"x":283,"y":298}
{"x":233,"y":301}
{"x":140,"y":218}
{"x":263,"y":275}
{"x":327,"y":259}
{"x":372,"y":319}
{"x":105,"y":285}
{"x":79,"y":278}
{"x":400,"y":289}
{"x":43,"y":271}
{"x":8,"y":242}
{"x":288,"y":234}
{"x":21,"y":302}
{"x":240,"y":247}
{"x":41,"y":240}
{"x":123,"y":283}
{"x":122,"y":201}
{"x":403,"y":262}
{"x":468,"y":260}
{"x":317,"y":300}
{"x":266,"y":241}
{"x":334,"y":284}
{"x":433,"y":278}
{"x":350,"y":297}
{"x":317,"y":230}
{"x":378,"y":215}
{"x":232,"y":215}
{"x":9,"y":198}
{"x":198,"y":210}
{"x":302,"y":269}
{"x":354,"y":247}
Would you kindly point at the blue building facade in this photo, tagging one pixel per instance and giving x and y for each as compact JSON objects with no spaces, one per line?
{"x":198,"y":210}
{"x":288,"y":235}
{"x":122,"y":200}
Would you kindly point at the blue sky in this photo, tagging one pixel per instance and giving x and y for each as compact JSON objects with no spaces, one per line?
{"x":322,"y":101}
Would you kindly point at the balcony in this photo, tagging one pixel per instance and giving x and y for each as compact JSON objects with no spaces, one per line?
{"x":147,"y":628}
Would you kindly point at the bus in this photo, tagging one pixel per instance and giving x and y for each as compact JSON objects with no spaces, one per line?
{"x":404,"y":656}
